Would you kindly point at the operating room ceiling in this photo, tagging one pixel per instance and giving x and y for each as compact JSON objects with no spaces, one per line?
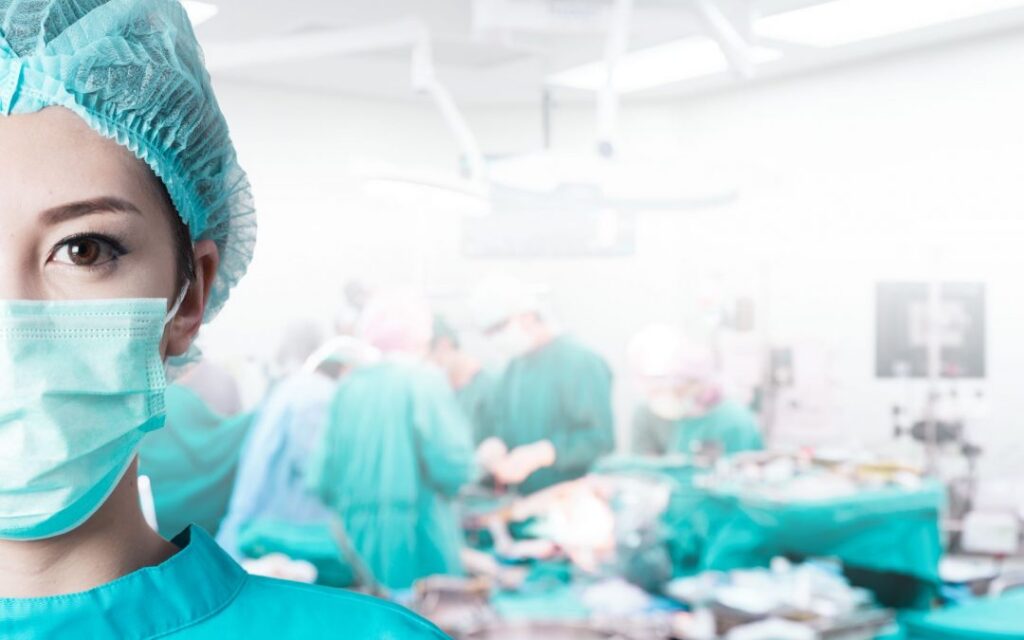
{"x":506,"y":51}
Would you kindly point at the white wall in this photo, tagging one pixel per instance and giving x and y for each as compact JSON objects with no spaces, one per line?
{"x":315,"y":230}
{"x":894,"y":169}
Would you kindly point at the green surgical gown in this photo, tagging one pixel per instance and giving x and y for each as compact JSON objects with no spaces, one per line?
{"x":395,"y":450}
{"x":562,"y":393}
{"x":474,"y":398}
{"x":729,"y":423}
{"x":200,"y":593}
{"x":989,"y":618}
{"x":191,"y":462}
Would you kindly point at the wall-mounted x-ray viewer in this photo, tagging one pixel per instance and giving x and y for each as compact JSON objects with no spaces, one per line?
{"x":904,"y":329}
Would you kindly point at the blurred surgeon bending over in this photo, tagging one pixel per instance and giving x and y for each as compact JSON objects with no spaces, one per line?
{"x":396,"y":449}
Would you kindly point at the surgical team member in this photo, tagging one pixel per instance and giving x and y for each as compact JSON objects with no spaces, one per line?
{"x":271,"y":481}
{"x":684,"y":410}
{"x":396,"y":450}
{"x":473,"y":383}
{"x":552,"y":406}
{"x":191,"y":462}
{"x":126,"y":220}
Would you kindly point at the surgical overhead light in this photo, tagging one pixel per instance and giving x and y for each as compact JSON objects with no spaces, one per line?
{"x":842,"y":22}
{"x":663,"y":64}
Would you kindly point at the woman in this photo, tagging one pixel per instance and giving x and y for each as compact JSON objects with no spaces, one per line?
{"x":107,"y":271}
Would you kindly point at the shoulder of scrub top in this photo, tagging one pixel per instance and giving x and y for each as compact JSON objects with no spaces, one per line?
{"x":264,"y":604}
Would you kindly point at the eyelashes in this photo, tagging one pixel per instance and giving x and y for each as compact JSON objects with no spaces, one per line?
{"x":87,"y":251}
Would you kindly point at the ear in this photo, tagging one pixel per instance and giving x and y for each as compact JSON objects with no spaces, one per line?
{"x":185,"y":325}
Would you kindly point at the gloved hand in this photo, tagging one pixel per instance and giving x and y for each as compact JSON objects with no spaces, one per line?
{"x":522,"y":461}
{"x":491,"y":452}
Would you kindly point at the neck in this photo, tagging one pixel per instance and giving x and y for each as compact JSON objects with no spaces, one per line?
{"x":114,"y":542}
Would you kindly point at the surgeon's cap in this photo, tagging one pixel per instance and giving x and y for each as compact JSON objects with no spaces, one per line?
{"x":660,"y":352}
{"x":132,"y":69}
{"x":497,"y":299}
{"x":397,"y":320}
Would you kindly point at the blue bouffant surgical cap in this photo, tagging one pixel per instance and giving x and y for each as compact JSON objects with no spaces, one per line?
{"x":132,"y":69}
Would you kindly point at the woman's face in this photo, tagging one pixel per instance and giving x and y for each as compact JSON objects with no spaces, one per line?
{"x":82,"y":218}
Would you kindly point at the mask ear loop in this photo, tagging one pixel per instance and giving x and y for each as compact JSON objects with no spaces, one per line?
{"x":177,"y":304}
{"x":173,"y":371}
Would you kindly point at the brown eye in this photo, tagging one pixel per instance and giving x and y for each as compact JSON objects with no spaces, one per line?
{"x":86,"y":251}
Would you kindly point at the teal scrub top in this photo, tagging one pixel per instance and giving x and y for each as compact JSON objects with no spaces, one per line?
{"x":728,"y":423}
{"x":562,"y":393}
{"x":191,"y":462}
{"x":474,"y":398}
{"x":201,"y":593}
{"x":396,"y":449}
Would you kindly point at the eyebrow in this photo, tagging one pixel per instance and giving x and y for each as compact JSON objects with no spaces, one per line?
{"x":71,"y":210}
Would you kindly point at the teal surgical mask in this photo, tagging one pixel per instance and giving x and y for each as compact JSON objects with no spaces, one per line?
{"x":511,"y":342}
{"x":81,"y":382}
{"x":671,"y":407}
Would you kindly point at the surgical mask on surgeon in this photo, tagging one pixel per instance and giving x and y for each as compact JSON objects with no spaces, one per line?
{"x":670,"y":406}
{"x":511,"y":342}
{"x":81,"y":382}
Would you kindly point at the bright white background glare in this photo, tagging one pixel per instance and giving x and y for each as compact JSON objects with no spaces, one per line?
{"x":842,"y":22}
{"x":659,"y":65}
{"x":199,"y":12}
